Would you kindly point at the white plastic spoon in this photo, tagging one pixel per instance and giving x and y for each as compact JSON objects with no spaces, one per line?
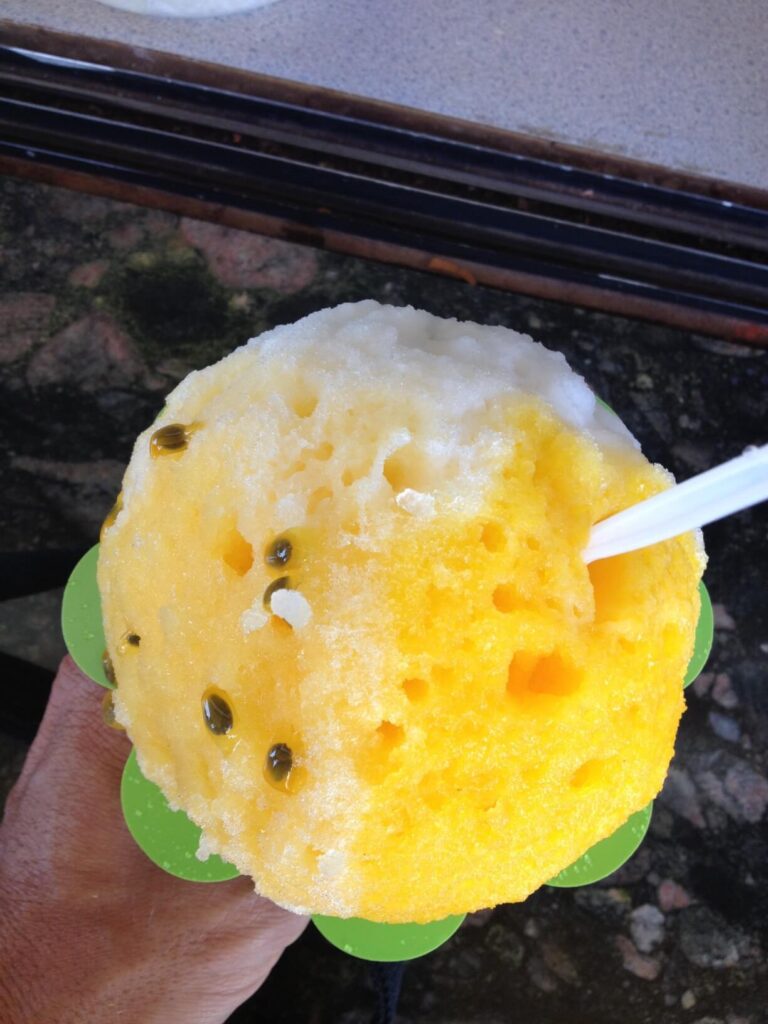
{"x":718,"y":492}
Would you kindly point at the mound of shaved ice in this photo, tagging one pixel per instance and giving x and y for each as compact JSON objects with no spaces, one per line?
{"x":466,"y":707}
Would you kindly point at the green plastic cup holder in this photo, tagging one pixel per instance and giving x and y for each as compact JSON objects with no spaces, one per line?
{"x":171,"y":840}
{"x":167,"y":837}
{"x":386,"y":943}
{"x":608,"y":855}
{"x":81,"y":619}
{"x":705,"y":632}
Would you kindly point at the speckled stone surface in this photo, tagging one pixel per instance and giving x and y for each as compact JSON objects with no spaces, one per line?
{"x":681,"y":84}
{"x":105,"y":306}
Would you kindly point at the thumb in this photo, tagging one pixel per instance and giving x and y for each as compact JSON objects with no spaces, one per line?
{"x":73,"y":740}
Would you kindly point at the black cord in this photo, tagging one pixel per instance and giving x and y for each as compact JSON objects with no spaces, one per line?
{"x":387,"y":980}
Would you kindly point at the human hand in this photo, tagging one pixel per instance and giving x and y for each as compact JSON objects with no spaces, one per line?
{"x":90,"y":929}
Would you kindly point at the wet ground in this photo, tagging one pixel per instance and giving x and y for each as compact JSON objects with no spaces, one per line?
{"x":105,"y":306}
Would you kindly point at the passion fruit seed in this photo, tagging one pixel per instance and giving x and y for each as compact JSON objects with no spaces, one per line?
{"x":109,"y":668}
{"x":108,"y":712}
{"x":279,"y":762}
{"x":279,"y":552}
{"x":129,"y":640}
{"x":112,"y":515}
{"x":217,"y":714}
{"x":173,"y":437}
{"x":282,"y":583}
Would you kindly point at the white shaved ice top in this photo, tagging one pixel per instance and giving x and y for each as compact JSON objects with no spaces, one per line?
{"x":414,"y":392}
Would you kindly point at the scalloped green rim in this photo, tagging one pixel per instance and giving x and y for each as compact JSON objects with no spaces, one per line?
{"x":81,"y":618}
{"x":386,"y":943}
{"x":170,"y":840}
{"x":705,"y":632}
{"x":167,"y":837}
{"x":608,"y":855}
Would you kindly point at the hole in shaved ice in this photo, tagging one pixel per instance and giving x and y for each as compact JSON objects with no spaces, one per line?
{"x":381,"y":752}
{"x":351,"y":475}
{"x":317,"y":497}
{"x":430,"y":791}
{"x":493,"y":537}
{"x":408,"y":468}
{"x":595,"y":772}
{"x":553,"y":675}
{"x":507,"y":599}
{"x":236,"y":552}
{"x":416,"y":689}
{"x":530,"y":673}
{"x":304,"y":404}
{"x":395,"y":472}
{"x":323,"y":452}
{"x":390,"y":735}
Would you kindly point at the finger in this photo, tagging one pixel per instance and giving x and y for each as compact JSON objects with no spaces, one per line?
{"x":80,"y":699}
{"x":73,"y":738}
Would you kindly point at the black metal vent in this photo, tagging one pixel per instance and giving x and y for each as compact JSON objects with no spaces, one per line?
{"x":390,"y":192}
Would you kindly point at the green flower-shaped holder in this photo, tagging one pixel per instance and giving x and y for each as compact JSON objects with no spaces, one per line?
{"x":171,"y":840}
